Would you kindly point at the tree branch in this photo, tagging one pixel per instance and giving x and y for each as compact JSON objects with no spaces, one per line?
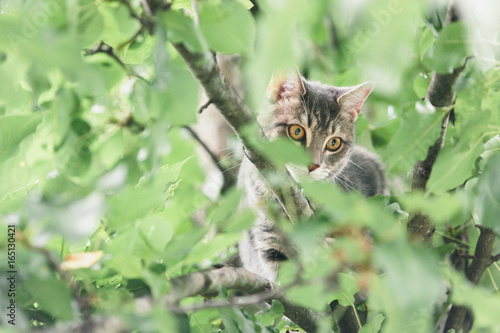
{"x":207,"y":72}
{"x":482,"y":260}
{"x":210,"y":283}
{"x":102,"y":47}
{"x":439,"y":94}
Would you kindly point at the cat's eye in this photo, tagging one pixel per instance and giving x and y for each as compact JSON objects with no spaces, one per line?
{"x":296,"y":132}
{"x":333,"y":144}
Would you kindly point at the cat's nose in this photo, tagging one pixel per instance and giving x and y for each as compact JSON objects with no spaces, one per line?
{"x":313,"y":167}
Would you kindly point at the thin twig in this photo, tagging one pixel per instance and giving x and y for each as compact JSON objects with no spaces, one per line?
{"x":146,"y":7}
{"x":211,"y":282}
{"x":102,"y":47}
{"x":229,"y":180}
{"x":204,"y":106}
{"x":232,"y":108}
{"x":495,"y":258}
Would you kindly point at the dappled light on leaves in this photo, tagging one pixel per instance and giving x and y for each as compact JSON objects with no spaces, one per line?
{"x":112,"y":199}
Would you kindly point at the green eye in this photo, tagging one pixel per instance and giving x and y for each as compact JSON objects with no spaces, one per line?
{"x":296,"y":132}
{"x":334,"y":144}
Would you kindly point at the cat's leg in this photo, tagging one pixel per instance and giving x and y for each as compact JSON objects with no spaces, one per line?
{"x":264,"y":248}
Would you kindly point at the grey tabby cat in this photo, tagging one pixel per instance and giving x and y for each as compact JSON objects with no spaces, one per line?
{"x":322,"y":119}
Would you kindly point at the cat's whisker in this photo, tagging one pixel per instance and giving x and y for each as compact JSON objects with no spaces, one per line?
{"x":356,"y":165}
{"x":353,"y":173}
{"x":231,"y":168}
{"x":348,"y":186}
{"x":228,"y":156}
{"x":223,"y":149}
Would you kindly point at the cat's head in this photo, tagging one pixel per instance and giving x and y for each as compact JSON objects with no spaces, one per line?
{"x":317,"y":116}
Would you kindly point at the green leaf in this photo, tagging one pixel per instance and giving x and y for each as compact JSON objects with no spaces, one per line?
{"x":381,"y":136}
{"x":124,"y":257}
{"x":451,"y":48}
{"x":483,"y":302}
{"x":54,"y":296}
{"x":488,"y":200}
{"x":139,"y":50}
{"x":119,"y":26}
{"x":141,"y":200}
{"x":454,"y":166}
{"x":209,"y":248}
{"x":417,"y":132}
{"x":311,"y":296}
{"x":439,"y":208}
{"x":13,"y":130}
{"x":131,"y":204}
{"x":374,"y":325}
{"x":227,"y":27}
{"x":156,"y":232}
{"x":491,"y":147}
{"x":173,"y":95}
{"x":348,"y":286}
{"x":90,"y":23}
{"x":270,"y":316}
{"x":180,"y":29}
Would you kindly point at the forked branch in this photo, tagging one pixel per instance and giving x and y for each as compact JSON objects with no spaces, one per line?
{"x":439,"y":94}
{"x":210,"y":283}
{"x":233,"y":109}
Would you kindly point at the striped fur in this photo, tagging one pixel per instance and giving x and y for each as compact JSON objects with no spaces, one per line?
{"x":324,"y":112}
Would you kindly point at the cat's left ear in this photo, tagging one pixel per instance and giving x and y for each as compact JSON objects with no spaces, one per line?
{"x":352,"y":100}
{"x":285,"y":86}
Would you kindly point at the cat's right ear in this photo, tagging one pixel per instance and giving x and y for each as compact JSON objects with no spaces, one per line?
{"x":285,"y":86}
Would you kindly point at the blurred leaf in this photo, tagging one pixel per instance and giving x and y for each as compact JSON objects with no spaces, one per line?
{"x":374,"y":325}
{"x":90,"y":23}
{"x":311,"y":296}
{"x":348,"y":286}
{"x":454,"y":166}
{"x":180,"y":29}
{"x":421,"y":84}
{"x":488,"y":200}
{"x":270,"y":316}
{"x":451,"y":48}
{"x":381,"y":136}
{"x":279,"y":151}
{"x":228,"y":27}
{"x":14,"y":129}
{"x":483,"y":303}
{"x":156,"y":231}
{"x":209,"y":248}
{"x":139,"y":50}
{"x":53,"y":295}
{"x":119,"y":26}
{"x":417,"y":132}
{"x":409,"y":288}
{"x":141,"y":200}
{"x":439,"y":208}
{"x":491,"y":148}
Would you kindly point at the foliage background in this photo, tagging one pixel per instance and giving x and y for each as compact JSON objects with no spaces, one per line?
{"x":94,"y":156}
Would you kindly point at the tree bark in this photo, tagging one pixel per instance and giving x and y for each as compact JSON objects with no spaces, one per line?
{"x":482,"y":260}
{"x":210,"y":283}
{"x":439,"y":94}
{"x":204,"y":67}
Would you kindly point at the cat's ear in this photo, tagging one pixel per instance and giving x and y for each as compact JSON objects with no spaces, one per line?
{"x":285,"y":86}
{"x":352,"y":100}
